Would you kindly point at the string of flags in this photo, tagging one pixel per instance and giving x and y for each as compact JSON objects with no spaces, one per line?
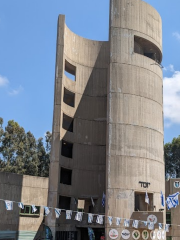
{"x":172,"y":201}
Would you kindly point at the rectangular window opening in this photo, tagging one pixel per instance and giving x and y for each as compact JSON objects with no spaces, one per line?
{"x":140,"y":204}
{"x":70,"y":71}
{"x":67,"y":123}
{"x":27,"y":211}
{"x":69,"y":97}
{"x":168,"y":217}
{"x":67,"y":149}
{"x":64,"y":202}
{"x":66,"y":175}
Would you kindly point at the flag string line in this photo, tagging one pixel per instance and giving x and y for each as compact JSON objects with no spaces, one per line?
{"x":87,"y":213}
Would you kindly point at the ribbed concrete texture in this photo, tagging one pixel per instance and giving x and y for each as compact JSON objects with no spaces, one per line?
{"x":108,"y":122}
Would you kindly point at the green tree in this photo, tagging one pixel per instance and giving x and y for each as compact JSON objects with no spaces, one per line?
{"x":172,"y":157}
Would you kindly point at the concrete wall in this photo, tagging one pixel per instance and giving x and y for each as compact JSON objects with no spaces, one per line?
{"x":174,"y":230}
{"x":135,"y":111}
{"x":91,"y":60}
{"x":26,"y":189}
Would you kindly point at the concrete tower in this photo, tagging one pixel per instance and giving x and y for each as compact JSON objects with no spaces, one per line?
{"x":135,"y":111}
{"x":108,"y":123}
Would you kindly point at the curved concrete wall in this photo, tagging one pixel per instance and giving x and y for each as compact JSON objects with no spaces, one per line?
{"x":135,"y":111}
{"x":91,"y":60}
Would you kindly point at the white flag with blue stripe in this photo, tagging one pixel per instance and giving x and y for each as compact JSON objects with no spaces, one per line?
{"x":57,"y":212}
{"x":99,"y":219}
{"x":162,"y":199}
{"x":34,"y":209}
{"x":9,"y":205}
{"x":172,"y":200}
{"x":46,"y":211}
{"x":110,"y":219}
{"x":90,"y":217}
{"x":160,"y":226}
{"x":68,"y":214}
{"x":126,"y":222}
{"x":118,"y":221}
{"x":167,"y":227}
{"x":135,"y":224}
{"x":146,"y":198}
{"x":21,"y":205}
{"x":79,"y":216}
{"x":151,"y":225}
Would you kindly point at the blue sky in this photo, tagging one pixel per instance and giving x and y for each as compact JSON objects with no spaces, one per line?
{"x":27,"y":56}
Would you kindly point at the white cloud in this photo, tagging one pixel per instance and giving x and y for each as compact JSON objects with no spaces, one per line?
{"x":176,"y":35}
{"x":16,"y":91}
{"x":3,"y":81}
{"x":172,"y":98}
{"x":169,"y":68}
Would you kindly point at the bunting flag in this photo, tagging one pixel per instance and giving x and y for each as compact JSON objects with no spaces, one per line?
{"x":135,"y":224}
{"x":57,"y":212}
{"x":78,"y":216}
{"x":151,"y":225}
{"x":90,"y":217}
{"x":21,"y":205}
{"x":126,"y":222}
{"x":9,"y":205}
{"x":34,"y":209}
{"x":103,"y":200}
{"x":172,"y":200}
{"x":167,"y":227}
{"x":92,"y":201}
{"x":99,"y":219}
{"x":68,"y":214}
{"x":162,"y":199}
{"x":160,"y":226}
{"x":110,"y":220}
{"x":146,"y":198}
{"x":145,"y":223}
{"x":46,"y":210}
{"x":118,"y":221}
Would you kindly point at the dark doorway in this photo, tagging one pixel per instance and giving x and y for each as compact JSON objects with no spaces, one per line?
{"x":97,"y":232}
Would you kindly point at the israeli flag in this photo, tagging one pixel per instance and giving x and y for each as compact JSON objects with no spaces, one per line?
{"x":172,"y":200}
{"x":160,"y":226}
{"x":167,"y":227}
{"x":126,"y":223}
{"x":68,"y":214}
{"x":103,"y":200}
{"x":21,"y":205}
{"x":118,"y":221}
{"x":99,"y":219}
{"x":78,"y":216}
{"x":151,"y":225}
{"x":57,"y":212}
{"x":146,"y":198}
{"x":135,"y":224}
{"x":34,"y":209}
{"x":110,"y":219}
{"x":162,"y":199}
{"x":90,"y":217}
{"x":9,"y":205}
{"x":145,"y":223}
{"x":46,"y":210}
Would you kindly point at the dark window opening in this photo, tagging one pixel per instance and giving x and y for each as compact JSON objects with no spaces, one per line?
{"x":64,"y":202}
{"x":168,"y":217}
{"x":140,"y":204}
{"x":66,"y":175}
{"x":67,"y":123}
{"x":147,"y":48}
{"x":70,"y":71}
{"x":69,"y":97}
{"x":67,"y":149}
{"x":28,"y":211}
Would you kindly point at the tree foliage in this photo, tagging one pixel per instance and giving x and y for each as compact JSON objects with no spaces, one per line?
{"x":172,"y":157}
{"x":21,"y":153}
